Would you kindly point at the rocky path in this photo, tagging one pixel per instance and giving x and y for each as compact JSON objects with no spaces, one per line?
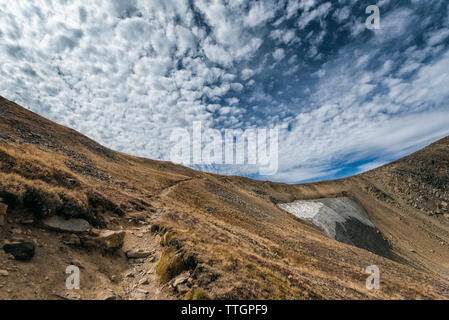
{"x":143,"y":252}
{"x":129,"y":273}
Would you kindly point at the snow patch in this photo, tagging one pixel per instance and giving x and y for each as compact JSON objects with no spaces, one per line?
{"x":342,"y":219}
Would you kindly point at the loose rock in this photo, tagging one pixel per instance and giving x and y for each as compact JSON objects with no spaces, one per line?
{"x":138,"y":253}
{"x":67,"y":296}
{"x":137,"y":296}
{"x":76,"y":263}
{"x":180,"y":283}
{"x":71,"y":240}
{"x":142,"y":291}
{"x":180,"y":280}
{"x":137,"y":261}
{"x":22,"y":251}
{"x":137,"y":216}
{"x":112,"y":297}
{"x":182,"y":288}
{"x":106,"y":239}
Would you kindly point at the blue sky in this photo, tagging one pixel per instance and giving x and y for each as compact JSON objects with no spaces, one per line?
{"x":126,"y":73}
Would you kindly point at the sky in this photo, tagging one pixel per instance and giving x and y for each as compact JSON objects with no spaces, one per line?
{"x":344,"y":98}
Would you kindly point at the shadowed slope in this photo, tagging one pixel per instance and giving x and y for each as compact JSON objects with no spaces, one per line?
{"x":342,"y":219}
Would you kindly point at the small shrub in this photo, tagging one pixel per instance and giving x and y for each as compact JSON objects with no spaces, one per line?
{"x":188,"y":295}
{"x":173,"y":263}
{"x":199,"y":295}
{"x":168,"y":239}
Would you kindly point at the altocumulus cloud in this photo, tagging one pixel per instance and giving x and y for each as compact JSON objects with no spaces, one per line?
{"x":125,"y":73}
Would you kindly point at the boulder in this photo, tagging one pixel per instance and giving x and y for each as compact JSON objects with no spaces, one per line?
{"x":66,"y":225}
{"x":22,"y":251}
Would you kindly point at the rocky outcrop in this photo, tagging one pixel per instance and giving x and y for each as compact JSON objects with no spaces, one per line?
{"x":420,"y":180}
{"x":66,"y":225}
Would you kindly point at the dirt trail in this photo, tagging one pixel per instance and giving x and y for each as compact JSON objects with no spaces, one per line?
{"x":140,"y":281}
{"x":167,"y":190}
{"x":103,"y":275}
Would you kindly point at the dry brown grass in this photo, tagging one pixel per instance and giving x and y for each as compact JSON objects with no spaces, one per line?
{"x":227,"y":231}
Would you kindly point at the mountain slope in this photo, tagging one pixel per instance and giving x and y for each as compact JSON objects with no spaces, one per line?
{"x":226,"y":234}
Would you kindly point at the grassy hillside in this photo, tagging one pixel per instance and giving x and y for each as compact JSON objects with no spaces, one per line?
{"x":226,"y":232}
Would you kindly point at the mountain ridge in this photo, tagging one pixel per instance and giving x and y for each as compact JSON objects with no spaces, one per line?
{"x":225,"y":234}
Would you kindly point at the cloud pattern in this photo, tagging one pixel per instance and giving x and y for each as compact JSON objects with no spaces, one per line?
{"x":126,"y":73}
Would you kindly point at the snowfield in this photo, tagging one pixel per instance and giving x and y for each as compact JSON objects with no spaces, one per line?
{"x":342,"y":219}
